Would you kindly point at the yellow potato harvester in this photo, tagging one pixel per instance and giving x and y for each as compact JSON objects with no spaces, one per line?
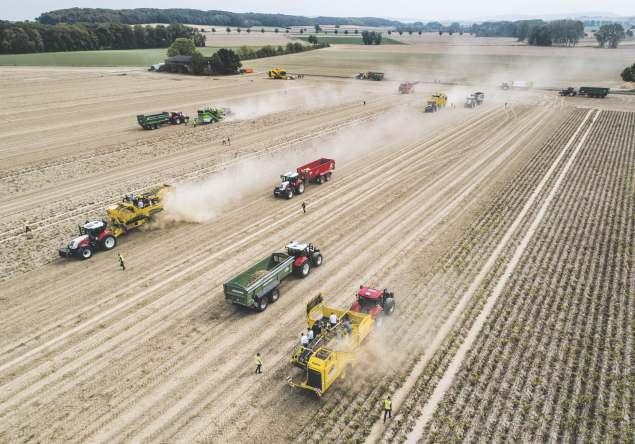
{"x":135,"y":210}
{"x":333,"y":348}
{"x":132,"y":212}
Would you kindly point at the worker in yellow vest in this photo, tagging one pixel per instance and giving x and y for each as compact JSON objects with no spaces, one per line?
{"x":387,"y":408}
{"x":258,"y":364}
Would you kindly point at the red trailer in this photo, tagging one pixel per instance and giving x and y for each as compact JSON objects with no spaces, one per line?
{"x":291,"y":183}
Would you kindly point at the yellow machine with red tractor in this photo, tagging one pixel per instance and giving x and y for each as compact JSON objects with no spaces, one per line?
{"x":132,"y":212}
{"x":338,"y":335}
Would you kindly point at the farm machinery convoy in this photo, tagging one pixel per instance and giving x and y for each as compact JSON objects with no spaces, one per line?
{"x":205,"y":115}
{"x":131,"y":213}
{"x":294,"y":182}
{"x":338,"y":334}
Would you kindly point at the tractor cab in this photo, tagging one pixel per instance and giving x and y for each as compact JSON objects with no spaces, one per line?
{"x":290,"y":177}
{"x":374,"y":302}
{"x":298,"y":249}
{"x":306,"y":256}
{"x":93,"y":229}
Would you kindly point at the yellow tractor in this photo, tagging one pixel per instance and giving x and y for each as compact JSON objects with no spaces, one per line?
{"x":279,"y":74}
{"x":436,"y":101}
{"x":338,"y":334}
{"x":135,"y":210}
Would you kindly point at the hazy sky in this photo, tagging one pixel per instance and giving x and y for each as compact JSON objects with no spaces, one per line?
{"x":402,"y":9}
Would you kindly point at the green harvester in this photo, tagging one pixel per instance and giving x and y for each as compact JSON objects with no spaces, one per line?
{"x":210,"y":114}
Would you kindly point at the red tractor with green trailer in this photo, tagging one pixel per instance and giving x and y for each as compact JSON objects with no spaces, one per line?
{"x":257,"y":287}
{"x":154,"y":121}
{"x":294,"y":182}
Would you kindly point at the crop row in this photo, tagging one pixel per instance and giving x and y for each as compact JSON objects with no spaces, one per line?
{"x":473,"y":250}
{"x":432,"y":301}
{"x":554,"y":360}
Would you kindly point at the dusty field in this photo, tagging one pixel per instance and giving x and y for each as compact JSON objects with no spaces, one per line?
{"x":468,"y":59}
{"x":431,"y":206}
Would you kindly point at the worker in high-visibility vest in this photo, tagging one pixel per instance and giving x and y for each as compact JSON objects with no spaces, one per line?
{"x":258,"y":364}
{"x":387,"y":408}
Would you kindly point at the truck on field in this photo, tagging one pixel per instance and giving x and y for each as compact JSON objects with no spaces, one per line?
{"x":568,"y":92}
{"x":209,"y":114}
{"x":132,"y":212}
{"x":474,"y":99}
{"x":334,"y":348}
{"x":154,"y":121}
{"x":594,"y":92}
{"x":370,"y":75}
{"x":257,"y":286}
{"x":294,"y":182}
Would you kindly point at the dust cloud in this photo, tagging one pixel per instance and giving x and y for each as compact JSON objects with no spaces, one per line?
{"x":202,"y":201}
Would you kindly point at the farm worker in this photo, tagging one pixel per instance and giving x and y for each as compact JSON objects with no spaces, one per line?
{"x":387,"y":408}
{"x":27,"y":231}
{"x":258,"y":364}
{"x":121,"y":262}
{"x":347,"y":325}
{"x":304,"y":339}
{"x":303,"y":207}
{"x":333,"y":319}
{"x":229,"y":142}
{"x":310,"y":334}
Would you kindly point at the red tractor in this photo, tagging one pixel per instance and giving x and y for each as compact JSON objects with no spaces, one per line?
{"x":374,"y":302}
{"x":93,"y":236}
{"x":306,"y":256}
{"x":293,"y":182}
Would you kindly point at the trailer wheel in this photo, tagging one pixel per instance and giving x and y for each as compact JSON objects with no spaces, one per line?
{"x":319,"y":180}
{"x":290,"y":194}
{"x":317,"y":260}
{"x":300,"y":189}
{"x":274,"y":295}
{"x":262,"y":304}
{"x":86,"y":253}
{"x":389,"y":306}
{"x":109,"y":243}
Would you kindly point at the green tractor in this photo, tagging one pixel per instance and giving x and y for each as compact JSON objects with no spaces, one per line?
{"x":209,"y":114}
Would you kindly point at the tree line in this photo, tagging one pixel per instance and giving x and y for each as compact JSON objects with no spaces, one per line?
{"x":247,"y":53}
{"x":198,"y":17}
{"x":557,"y":32}
{"x":227,"y":61}
{"x":29,"y":37}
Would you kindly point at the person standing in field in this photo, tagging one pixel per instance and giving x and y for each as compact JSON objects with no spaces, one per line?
{"x":258,"y":364}
{"x":387,"y":408}
{"x":304,"y":207}
{"x":122,"y":264}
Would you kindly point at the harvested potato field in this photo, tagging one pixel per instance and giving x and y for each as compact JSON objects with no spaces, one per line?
{"x":505,"y":232}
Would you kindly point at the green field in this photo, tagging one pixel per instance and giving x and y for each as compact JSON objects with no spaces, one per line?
{"x":350,"y":40}
{"x":125,"y":57}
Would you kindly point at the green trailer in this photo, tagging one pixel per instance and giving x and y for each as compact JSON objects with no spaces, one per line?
{"x":257,"y":286}
{"x":594,"y":91}
{"x":154,"y":121}
{"x":209,"y":114}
